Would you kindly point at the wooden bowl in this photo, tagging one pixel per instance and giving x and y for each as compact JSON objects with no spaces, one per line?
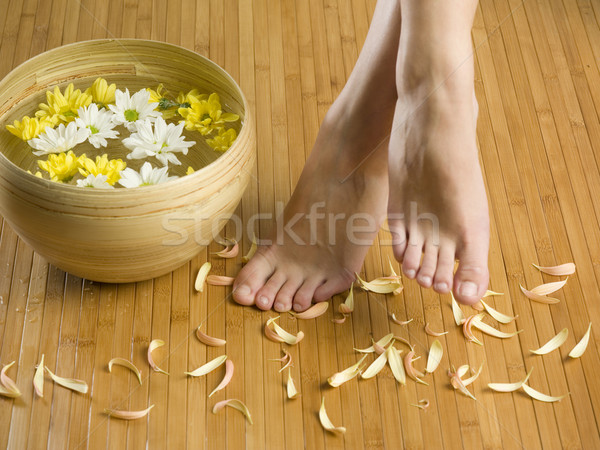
{"x":121,"y":235}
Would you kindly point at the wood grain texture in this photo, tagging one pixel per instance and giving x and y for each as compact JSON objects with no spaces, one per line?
{"x":537,"y":80}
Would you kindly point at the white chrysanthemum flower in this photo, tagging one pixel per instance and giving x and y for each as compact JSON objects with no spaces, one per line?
{"x":160,"y":139}
{"x":98,"y":122}
{"x":146,"y":176}
{"x":95,"y":181}
{"x":130,"y":111}
{"x":58,"y":140}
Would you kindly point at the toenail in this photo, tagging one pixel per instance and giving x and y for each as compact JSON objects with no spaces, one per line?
{"x":410,"y":273}
{"x":426,"y":280}
{"x":297,"y":307}
{"x":243,"y":290}
{"x":278,"y":306}
{"x":441,"y":286}
{"x":468,"y":289}
{"x":264,"y":301}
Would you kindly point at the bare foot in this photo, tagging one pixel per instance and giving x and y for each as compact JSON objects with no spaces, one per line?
{"x":438,"y":210}
{"x":321,"y":239}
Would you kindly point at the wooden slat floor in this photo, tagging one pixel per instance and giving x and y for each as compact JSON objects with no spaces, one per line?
{"x":538,"y":85}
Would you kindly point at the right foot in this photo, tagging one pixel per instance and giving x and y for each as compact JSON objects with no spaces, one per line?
{"x":291,"y":273}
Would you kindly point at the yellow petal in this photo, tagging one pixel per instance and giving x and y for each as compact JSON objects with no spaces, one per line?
{"x":292,"y":392}
{"x":125,"y":363}
{"x":539,"y":298}
{"x":488,"y":329}
{"x":348,"y":306}
{"x":381,"y":342}
{"x":582,"y":344}
{"x":399,"y":322}
{"x":128,"y":415}
{"x":539,"y":396}
{"x":393,"y":357}
{"x":470,"y":380}
{"x":380,"y":285}
{"x":459,"y":317}
{"x":219,"y":280}
{"x":489,"y":293}
{"x":430,"y":332}
{"x":208,"y":367}
{"x":69,"y":383}
{"x":549,"y":288}
{"x":510,"y":387}
{"x":7,"y":383}
{"x":502,"y":318}
{"x":226,"y":378}
{"x":209,"y":340}
{"x":229,"y":252}
{"x":280,"y":334}
{"x":458,"y":384}
{"x":38,"y":378}
{"x":347,"y":374}
{"x":553,"y":343}
{"x":153,"y":346}
{"x":375,"y":366}
{"x":558,"y":271}
{"x":251,"y":252}
{"x":201,"y":277}
{"x":234,"y":403}
{"x":435,"y":356}
{"x":324,"y":418}
{"x":314,"y":311}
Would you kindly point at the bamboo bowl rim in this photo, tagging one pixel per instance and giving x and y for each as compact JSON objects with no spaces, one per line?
{"x":234,"y":152}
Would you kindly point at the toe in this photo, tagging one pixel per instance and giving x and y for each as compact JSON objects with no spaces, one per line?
{"x":266,"y":295}
{"x":399,"y":238}
{"x":412,"y":256}
{"x":427,"y":270}
{"x":283,"y":300}
{"x":471,"y":278}
{"x":331,"y":287}
{"x":304,"y":296}
{"x":442,"y":280}
{"x":250,"y":279}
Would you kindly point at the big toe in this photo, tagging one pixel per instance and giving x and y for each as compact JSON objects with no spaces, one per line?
{"x":471,"y":278}
{"x":250,"y":280}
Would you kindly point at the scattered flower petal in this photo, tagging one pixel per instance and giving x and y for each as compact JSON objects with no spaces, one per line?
{"x":228,"y":252}
{"x":128,"y":415}
{"x":539,"y":298}
{"x":393,"y":357}
{"x":9,"y":387}
{"x":324,"y":418}
{"x":435,"y":356}
{"x":234,"y":403}
{"x":219,"y":280}
{"x":201,"y":277}
{"x":347,"y":374}
{"x":488,"y":329}
{"x":381,"y":342}
{"x":557,"y":271}
{"x":339,"y":320}
{"x":154,"y":345}
{"x":553,"y":343}
{"x":314,"y":311}
{"x":399,"y":322}
{"x":539,"y":396}
{"x":278,"y":334}
{"x":489,"y":293}
{"x":549,"y":288}
{"x":209,"y":340}
{"x":252,"y":250}
{"x":410,"y":370}
{"x":208,"y":367}
{"x":348,"y":306}
{"x":38,"y":378}
{"x":470,"y":380}
{"x":579,"y":349}
{"x":226,"y":378}
{"x":382,"y":285}
{"x":433,"y":333}
{"x":292,"y":392}
{"x":459,"y":317}
{"x":422,"y":404}
{"x":510,"y":387}
{"x":502,"y":318}
{"x":69,"y":383}
{"x":125,"y":363}
{"x":467,"y":325}
{"x":375,"y":367}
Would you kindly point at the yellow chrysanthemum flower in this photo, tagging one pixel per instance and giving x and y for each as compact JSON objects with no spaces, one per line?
{"x":223,"y":140}
{"x":63,"y":107}
{"x":29,"y":128}
{"x":37,"y":174}
{"x":186,"y":100}
{"x":166,"y":106}
{"x":190,"y":170}
{"x":102,"y":93}
{"x":62,"y":167}
{"x":206,"y":115}
{"x":102,"y":166}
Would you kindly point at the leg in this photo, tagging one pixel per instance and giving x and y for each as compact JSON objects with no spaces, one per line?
{"x":292,"y":273}
{"x":433,"y":161}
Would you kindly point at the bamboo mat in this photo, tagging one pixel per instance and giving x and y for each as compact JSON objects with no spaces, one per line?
{"x":538,"y":85}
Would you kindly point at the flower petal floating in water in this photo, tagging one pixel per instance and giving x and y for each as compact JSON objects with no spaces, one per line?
{"x":326,"y":422}
{"x":128,"y":415}
{"x":38,"y":378}
{"x":208,"y":367}
{"x":579,"y":349}
{"x":292,"y":392}
{"x":58,"y":140}
{"x":69,"y":383}
{"x":553,"y":343}
{"x":557,"y":271}
{"x":314,"y":311}
{"x":125,"y":363}
{"x":226,"y":378}
{"x":201,"y":277}
{"x":233,"y":403}
{"x":154,"y":345}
